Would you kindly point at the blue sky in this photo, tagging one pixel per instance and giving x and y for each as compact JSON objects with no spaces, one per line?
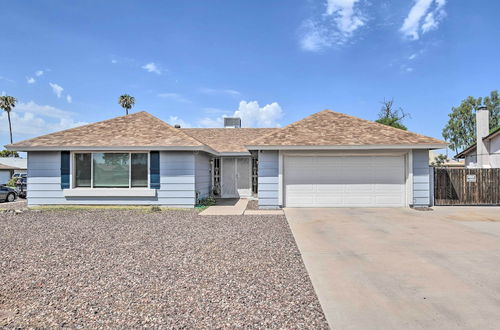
{"x":274,"y":62}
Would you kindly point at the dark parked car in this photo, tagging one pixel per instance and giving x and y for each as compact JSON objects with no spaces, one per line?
{"x":7,"y":194}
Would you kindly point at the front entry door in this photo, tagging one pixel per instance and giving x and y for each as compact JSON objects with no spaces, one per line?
{"x":236,"y":177}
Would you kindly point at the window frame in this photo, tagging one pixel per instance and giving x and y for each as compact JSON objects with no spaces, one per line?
{"x":91,"y":152}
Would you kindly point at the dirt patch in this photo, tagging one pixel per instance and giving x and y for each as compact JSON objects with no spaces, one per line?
{"x":253,"y":205}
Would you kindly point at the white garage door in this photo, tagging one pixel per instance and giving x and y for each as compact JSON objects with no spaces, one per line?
{"x":350,"y":181}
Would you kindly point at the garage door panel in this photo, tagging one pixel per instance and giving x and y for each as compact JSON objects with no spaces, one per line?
{"x":329,"y":188}
{"x":358,"y":188}
{"x":350,"y":181}
{"x":301,"y":188}
{"x":388,"y":200}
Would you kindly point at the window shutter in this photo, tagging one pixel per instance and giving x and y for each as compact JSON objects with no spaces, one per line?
{"x":154,"y":169}
{"x":65,"y":169}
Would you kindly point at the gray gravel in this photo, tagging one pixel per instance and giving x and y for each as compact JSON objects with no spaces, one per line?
{"x":18,"y":204}
{"x":175,"y":269}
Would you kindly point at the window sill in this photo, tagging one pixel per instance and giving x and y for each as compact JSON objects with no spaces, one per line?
{"x":109,"y":192}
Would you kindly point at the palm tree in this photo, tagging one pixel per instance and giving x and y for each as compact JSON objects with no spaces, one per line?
{"x":126,"y":101}
{"x":7,"y":103}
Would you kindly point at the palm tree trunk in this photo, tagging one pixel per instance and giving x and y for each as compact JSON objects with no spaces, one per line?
{"x":10,"y":126}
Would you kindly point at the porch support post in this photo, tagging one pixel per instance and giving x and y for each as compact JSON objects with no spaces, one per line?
{"x":280,"y":178}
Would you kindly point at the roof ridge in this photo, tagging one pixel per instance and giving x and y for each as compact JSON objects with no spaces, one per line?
{"x":319,"y":120}
{"x":81,"y":126}
{"x":379,"y":124}
{"x":346,"y":115}
{"x":287,"y":126}
{"x":172,"y":127}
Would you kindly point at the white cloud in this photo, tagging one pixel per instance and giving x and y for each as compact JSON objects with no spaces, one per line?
{"x":114,"y":61}
{"x":56,"y":89}
{"x":252,"y":115}
{"x":39,"y":73}
{"x":174,"y":120}
{"x":30,"y":80}
{"x":69,"y":98}
{"x":336,"y":26}
{"x":212,"y":122}
{"x":230,"y":92}
{"x":175,"y":97}
{"x":43,"y":110}
{"x":413,"y":56}
{"x":424,"y":16}
{"x":151,"y":67}
{"x":6,"y":79}
{"x":31,"y":119}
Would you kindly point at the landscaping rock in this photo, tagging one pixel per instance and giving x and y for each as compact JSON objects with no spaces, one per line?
{"x":173,"y":269}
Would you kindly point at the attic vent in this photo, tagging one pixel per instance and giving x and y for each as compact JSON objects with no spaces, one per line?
{"x":232,"y":122}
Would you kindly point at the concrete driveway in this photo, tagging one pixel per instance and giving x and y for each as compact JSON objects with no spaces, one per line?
{"x":401,"y":268}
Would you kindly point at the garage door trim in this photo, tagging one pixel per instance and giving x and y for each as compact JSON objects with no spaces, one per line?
{"x":377,"y":193}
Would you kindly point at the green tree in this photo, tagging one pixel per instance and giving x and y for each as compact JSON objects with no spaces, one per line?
{"x":439,"y":160}
{"x":126,"y":101}
{"x":460,"y":131}
{"x":7,"y":103}
{"x":8,"y":153}
{"x":390,"y":116}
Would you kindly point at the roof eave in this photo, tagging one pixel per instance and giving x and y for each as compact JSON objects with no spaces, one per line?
{"x":465,"y":152}
{"x":230,"y":153}
{"x":349,"y":147}
{"x":112,"y":148}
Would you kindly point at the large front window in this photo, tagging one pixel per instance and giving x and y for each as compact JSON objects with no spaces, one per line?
{"x":111,"y":170}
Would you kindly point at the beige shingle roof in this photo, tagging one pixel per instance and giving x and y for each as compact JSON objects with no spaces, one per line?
{"x":329,"y":128}
{"x":227,"y":139}
{"x":8,"y":167}
{"x":139,"y":129}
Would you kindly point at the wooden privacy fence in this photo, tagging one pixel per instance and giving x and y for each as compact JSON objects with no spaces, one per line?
{"x":467,"y":186}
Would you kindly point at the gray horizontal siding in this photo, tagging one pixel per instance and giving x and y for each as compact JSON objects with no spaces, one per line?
{"x":203,"y":180}
{"x":421,"y":178}
{"x":268,"y":179}
{"x":177,"y":182}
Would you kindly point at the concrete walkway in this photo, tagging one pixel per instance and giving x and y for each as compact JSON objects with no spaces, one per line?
{"x":401,"y":268}
{"x":264,"y":212}
{"x":227,"y":207}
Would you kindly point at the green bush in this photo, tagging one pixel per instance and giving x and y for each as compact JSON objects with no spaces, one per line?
{"x":12,"y":182}
{"x":209,"y":201}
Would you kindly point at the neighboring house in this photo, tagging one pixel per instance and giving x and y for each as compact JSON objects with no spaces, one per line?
{"x":11,"y":165}
{"x":485,"y":153}
{"x":328,"y":159}
{"x":448,"y":163}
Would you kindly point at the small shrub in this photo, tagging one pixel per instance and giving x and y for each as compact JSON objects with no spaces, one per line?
{"x":155,"y":208}
{"x":12,"y":182}
{"x":209,"y":201}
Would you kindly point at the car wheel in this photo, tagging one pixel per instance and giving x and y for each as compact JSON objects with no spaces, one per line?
{"x":10,"y":197}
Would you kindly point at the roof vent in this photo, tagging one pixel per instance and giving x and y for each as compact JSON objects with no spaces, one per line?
{"x":232,"y":122}
{"x":177,"y":126}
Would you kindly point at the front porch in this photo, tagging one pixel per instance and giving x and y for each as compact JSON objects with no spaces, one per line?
{"x":234,"y":177}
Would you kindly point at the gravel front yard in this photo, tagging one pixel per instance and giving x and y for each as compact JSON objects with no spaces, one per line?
{"x":129,"y":268}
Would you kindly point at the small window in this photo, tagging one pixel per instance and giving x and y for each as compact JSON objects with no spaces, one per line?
{"x":82,"y":170}
{"x":139,"y":170}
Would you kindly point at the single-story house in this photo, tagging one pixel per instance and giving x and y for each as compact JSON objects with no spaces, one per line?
{"x":450,"y":163}
{"x":485,"y":153}
{"x":327,"y":159}
{"x":10,"y":166}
